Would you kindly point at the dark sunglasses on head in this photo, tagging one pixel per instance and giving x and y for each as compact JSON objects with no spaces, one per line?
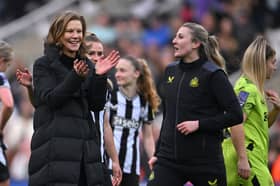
{"x":98,"y":53}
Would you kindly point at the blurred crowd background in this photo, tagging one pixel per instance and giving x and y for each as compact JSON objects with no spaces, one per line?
{"x":142,"y":28}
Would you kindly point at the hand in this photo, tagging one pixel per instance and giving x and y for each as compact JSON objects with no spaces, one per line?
{"x":273,"y":97}
{"x":103,"y":65}
{"x":152,"y":162}
{"x":187,"y":127}
{"x":117,"y":174}
{"x":81,"y":68}
{"x":243,"y":168}
{"x":24,"y":77}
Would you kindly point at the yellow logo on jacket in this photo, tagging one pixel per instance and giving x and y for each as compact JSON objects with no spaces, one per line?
{"x":213,"y":183}
{"x":170,"y":79}
{"x":152,"y":176}
{"x":194,"y":82}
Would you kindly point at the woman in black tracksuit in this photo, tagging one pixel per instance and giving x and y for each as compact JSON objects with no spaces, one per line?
{"x":198,"y":103}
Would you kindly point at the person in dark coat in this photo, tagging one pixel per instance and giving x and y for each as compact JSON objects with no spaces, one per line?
{"x":198,"y":103}
{"x":65,"y":144}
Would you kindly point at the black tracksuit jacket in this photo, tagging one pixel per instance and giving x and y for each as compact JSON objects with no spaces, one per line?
{"x":196,"y":91}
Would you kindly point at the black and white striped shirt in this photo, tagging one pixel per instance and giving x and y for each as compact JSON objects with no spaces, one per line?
{"x":3,"y":83}
{"x":126,"y":118}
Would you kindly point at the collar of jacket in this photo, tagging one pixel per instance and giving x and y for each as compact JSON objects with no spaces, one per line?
{"x":52,"y":51}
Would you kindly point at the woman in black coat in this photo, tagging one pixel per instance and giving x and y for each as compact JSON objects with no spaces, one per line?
{"x":65,"y":146}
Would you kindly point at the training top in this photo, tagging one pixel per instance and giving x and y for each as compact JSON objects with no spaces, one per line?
{"x":256,"y":124}
{"x":196,"y":91}
{"x":126,"y":117}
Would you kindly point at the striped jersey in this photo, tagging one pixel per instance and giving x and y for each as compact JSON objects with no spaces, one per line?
{"x":98,"y":118}
{"x":3,"y":83}
{"x":3,"y":80}
{"x":126,"y":117}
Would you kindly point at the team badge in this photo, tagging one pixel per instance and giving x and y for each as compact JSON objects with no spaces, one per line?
{"x":194,"y":82}
{"x":170,"y":79}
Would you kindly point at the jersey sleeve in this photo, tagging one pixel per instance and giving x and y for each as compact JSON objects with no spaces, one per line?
{"x":4,"y":81}
{"x":246,"y":101}
{"x":149,"y":115}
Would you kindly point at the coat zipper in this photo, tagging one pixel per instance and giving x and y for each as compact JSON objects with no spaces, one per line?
{"x":176,"y":119}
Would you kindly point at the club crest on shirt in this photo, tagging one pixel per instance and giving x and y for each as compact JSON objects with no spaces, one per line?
{"x":194,"y":82}
{"x":170,"y":79}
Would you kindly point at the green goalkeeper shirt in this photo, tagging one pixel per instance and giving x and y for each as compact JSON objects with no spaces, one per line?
{"x":256,"y":122}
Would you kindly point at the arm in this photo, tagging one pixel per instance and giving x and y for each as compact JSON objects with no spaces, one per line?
{"x":111,"y":150}
{"x":47,"y":90}
{"x":98,"y":87}
{"x":273,"y":98}
{"x":24,"y":78}
{"x":272,"y":116}
{"x":238,"y":140}
{"x":97,"y":92}
{"x":220,"y":86}
{"x":7,"y":106}
{"x":148,"y":140}
{"x":232,"y":115}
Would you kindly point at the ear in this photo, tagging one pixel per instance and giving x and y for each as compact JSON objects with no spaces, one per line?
{"x":196,"y":44}
{"x":137,"y":73}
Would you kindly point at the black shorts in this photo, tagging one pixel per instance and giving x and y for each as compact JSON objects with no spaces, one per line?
{"x":4,"y":171}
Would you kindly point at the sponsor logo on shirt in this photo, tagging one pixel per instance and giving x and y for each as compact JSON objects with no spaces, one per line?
{"x":125,"y":123}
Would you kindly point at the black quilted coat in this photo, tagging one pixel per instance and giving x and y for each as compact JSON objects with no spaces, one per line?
{"x":65,"y":136}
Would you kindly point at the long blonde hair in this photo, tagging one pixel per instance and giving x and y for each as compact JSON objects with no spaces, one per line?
{"x":254,"y":61}
{"x":209,"y":44}
{"x":145,"y":83}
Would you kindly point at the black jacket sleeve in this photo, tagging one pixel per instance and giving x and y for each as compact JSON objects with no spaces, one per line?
{"x":227,"y":100}
{"x":97,"y":92}
{"x":46,"y":89}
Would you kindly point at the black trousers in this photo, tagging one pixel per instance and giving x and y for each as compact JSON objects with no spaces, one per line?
{"x":130,"y":180}
{"x":168,"y":173}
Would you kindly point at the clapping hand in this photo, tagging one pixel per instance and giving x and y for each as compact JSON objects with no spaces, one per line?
{"x":105,"y":64}
{"x":24,"y":77}
{"x":81,"y":68}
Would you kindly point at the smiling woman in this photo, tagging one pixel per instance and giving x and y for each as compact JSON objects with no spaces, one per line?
{"x":65,"y":144}
{"x":72,"y":38}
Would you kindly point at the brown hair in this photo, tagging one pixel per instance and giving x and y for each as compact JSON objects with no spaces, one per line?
{"x":58,"y":27}
{"x":145,"y":83}
{"x":90,"y":37}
